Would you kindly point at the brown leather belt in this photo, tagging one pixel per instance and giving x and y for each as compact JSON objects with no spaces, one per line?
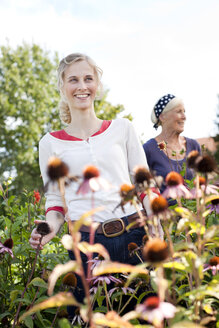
{"x":115,"y":227}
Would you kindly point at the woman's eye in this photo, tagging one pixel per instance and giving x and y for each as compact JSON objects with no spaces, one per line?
{"x":89,"y":79}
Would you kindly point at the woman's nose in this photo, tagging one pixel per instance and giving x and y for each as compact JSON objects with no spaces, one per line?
{"x":81,"y":85}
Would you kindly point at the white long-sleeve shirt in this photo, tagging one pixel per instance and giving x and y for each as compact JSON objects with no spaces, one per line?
{"x":115,"y":151}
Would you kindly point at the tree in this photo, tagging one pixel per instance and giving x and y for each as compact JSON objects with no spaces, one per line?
{"x":29,"y":108}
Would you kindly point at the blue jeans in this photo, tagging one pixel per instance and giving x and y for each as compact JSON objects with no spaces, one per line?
{"x":117,"y":248}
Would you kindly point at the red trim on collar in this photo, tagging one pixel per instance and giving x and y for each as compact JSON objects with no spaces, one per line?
{"x":61,"y":134}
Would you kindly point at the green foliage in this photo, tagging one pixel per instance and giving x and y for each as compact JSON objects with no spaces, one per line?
{"x":28,"y":109}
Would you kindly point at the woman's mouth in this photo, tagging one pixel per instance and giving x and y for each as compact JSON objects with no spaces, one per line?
{"x":82,"y":96}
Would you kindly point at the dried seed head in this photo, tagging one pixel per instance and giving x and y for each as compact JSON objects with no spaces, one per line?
{"x":214,"y":261}
{"x":192,"y":157}
{"x":152,"y":302}
{"x":8,"y":243}
{"x":90,"y":171}
{"x":206,"y":164}
{"x":132,"y":247}
{"x":56,"y":168}
{"x":174,"y":179}
{"x":142,"y":175}
{"x":70,"y":280}
{"x":155,"y":250}
{"x":43,"y":228}
{"x":159,"y":204}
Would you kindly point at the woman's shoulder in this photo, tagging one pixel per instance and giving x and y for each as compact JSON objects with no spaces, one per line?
{"x":149,"y":143}
{"x":192,"y":144}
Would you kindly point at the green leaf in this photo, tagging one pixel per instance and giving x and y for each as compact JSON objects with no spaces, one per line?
{"x":174,"y":265}
{"x":54,"y":301}
{"x":116,"y":267}
{"x":28,"y":321}
{"x":64,"y":323}
{"x":38,"y":282}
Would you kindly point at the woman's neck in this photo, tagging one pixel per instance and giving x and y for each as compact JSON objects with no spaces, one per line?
{"x":83,"y":124}
{"x":175,"y":144}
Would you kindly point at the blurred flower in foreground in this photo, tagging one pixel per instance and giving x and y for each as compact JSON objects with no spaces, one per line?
{"x":92,"y":181}
{"x":155,"y":251}
{"x":175,"y":188}
{"x":159,"y":205}
{"x":56,"y":168}
{"x":203,"y":188}
{"x":205,"y":164}
{"x":6,"y":247}
{"x":192,"y":157}
{"x":37,"y":196}
{"x":154,"y":311}
{"x":213,"y":265}
{"x":133,"y":248}
{"x":214,"y":206}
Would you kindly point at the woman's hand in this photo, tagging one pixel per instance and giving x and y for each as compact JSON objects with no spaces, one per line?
{"x":36,"y":237}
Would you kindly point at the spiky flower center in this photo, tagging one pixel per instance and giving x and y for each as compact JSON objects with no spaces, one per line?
{"x":142,"y":175}
{"x":192,"y":157}
{"x":56,"y":168}
{"x":155,"y":250}
{"x":174,"y":179}
{"x":70,"y":279}
{"x":206,"y":164}
{"x":202,"y":181}
{"x":43,"y":228}
{"x":215,"y":201}
{"x":132,"y":247}
{"x":8,"y":243}
{"x":125,"y":188}
{"x":214,"y":261}
{"x":159,"y":204}
{"x":91,"y":171}
{"x":152,"y":302}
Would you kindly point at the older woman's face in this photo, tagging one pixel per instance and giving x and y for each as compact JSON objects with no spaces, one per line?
{"x":174,"y":119}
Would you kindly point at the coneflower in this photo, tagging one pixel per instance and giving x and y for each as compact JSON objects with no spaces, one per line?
{"x":155,"y":311}
{"x":206,"y":164}
{"x":43,"y":228}
{"x":159,"y":205}
{"x":127,"y":192}
{"x":70,"y":280}
{"x":142,"y":175}
{"x":192,"y":157}
{"x":56,"y":168}
{"x":175,"y":188}
{"x":6,"y":247}
{"x":203,"y":188}
{"x":155,"y":251}
{"x":92,"y":181}
{"x":213,"y":265}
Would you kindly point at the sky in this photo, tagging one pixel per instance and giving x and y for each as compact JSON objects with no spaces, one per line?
{"x":146,"y":49}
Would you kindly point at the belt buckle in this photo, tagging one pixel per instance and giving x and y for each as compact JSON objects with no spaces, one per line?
{"x":104,"y":224}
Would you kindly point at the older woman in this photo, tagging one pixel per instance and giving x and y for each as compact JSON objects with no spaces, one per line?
{"x":168,"y":151}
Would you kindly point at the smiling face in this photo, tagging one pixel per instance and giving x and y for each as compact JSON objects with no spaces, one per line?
{"x":174,"y":119}
{"x":79,"y":85}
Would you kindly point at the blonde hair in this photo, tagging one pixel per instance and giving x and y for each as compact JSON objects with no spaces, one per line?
{"x":64,"y":110}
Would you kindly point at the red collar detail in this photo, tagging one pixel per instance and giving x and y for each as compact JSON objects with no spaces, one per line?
{"x":61,"y":134}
